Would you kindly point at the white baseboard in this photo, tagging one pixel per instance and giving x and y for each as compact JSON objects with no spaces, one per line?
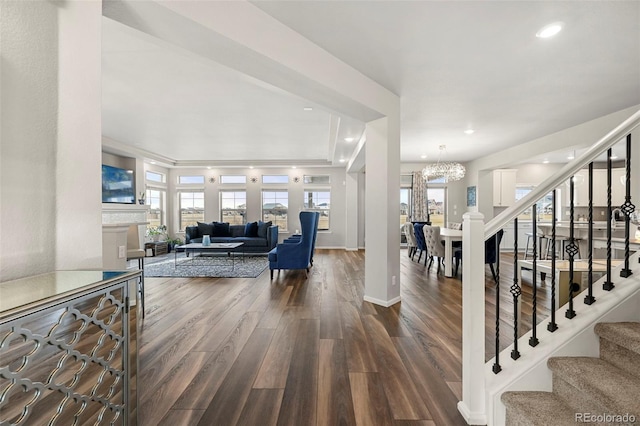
{"x":385,"y":303}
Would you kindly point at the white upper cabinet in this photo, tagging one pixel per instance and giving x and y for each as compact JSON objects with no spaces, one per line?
{"x":581,"y":188}
{"x":504,"y":187}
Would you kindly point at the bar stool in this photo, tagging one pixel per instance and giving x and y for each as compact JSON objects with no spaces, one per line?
{"x":564,"y":240}
{"x":540,"y":237}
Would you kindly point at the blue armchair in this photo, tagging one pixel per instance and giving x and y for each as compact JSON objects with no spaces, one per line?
{"x":296,"y":254}
{"x":296,"y":237}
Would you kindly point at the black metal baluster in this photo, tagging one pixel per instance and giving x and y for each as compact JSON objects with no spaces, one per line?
{"x":552,"y":326}
{"x":533,"y":340}
{"x":608,"y":284}
{"x":589,"y":299}
{"x":515,"y":290}
{"x":496,"y":366}
{"x":627,"y":208}
{"x":571,"y":250}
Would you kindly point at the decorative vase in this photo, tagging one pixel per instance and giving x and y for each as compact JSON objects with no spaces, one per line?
{"x":155,"y":238}
{"x":140,"y":201}
{"x":206,"y":240}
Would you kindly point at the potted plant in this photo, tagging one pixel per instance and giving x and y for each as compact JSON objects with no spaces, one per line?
{"x":172,"y":243}
{"x":155,"y":232}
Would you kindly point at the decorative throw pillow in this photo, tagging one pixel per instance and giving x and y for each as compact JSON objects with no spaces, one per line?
{"x":221,"y":229}
{"x":205,"y":228}
{"x":263,"y":228}
{"x":251,"y":229}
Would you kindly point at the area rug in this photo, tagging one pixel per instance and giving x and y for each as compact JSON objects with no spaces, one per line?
{"x":221,"y":267}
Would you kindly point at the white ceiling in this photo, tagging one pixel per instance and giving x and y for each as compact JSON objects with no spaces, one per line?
{"x":455,"y":65}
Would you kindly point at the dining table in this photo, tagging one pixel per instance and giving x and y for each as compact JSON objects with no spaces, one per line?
{"x":448,"y":236}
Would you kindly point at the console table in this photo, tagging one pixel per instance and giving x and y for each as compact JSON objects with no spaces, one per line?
{"x":157,"y":248}
{"x":68,"y":344}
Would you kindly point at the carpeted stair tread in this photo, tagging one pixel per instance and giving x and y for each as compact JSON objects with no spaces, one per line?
{"x":531,"y":408}
{"x":600,"y":381}
{"x":624,"y":334}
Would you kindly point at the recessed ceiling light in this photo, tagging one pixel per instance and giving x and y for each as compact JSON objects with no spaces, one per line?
{"x":209,"y":167}
{"x":545,"y":161}
{"x":152,"y":162}
{"x":342,"y":160}
{"x":293,"y":167}
{"x":423,"y":156}
{"x":614,"y":157}
{"x":307,"y":109}
{"x":469,"y":131}
{"x":550,"y":30}
{"x":251,"y":167}
{"x":571,"y":155}
{"x":349,"y":139}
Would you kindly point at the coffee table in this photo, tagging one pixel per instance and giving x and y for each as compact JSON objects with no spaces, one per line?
{"x":202,"y":253}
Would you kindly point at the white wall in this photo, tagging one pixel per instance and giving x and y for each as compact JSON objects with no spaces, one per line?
{"x":50,"y":142}
{"x":334,"y":238}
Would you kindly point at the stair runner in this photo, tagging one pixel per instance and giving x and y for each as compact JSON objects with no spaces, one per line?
{"x":598,"y":391}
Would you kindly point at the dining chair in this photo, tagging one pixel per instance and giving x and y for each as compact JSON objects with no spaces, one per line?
{"x":412,"y":244}
{"x":435,"y":245}
{"x":491,"y":253}
{"x":420,"y":242}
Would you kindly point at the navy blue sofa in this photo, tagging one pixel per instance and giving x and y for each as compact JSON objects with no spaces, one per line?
{"x":261,"y":238}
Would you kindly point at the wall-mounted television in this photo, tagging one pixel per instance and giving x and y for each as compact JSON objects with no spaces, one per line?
{"x":117,"y":185}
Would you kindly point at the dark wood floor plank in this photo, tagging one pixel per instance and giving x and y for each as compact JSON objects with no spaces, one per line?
{"x":335,"y":405}
{"x":181,"y":418}
{"x":228,"y":402}
{"x":201,"y":390}
{"x":431,"y":388}
{"x":403,"y":397}
{"x":275,"y":366}
{"x":155,"y":406}
{"x":300,"y":394}
{"x":359,"y":355}
{"x":262,"y":407}
{"x":273,"y":313}
{"x":369,"y":401}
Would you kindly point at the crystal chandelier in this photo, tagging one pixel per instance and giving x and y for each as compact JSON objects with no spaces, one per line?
{"x":449,"y":170}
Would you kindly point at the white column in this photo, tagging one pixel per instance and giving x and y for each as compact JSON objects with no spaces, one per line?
{"x":472,"y":407}
{"x":382,"y":244}
{"x":351,"y":203}
{"x":79,"y":139}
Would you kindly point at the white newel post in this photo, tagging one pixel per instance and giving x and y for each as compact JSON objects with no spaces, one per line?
{"x":472,"y":407}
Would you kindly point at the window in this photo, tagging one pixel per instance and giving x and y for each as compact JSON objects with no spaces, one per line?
{"x":405,"y":205}
{"x":155,"y":177}
{"x":275,"y":205}
{"x":543,"y":206}
{"x":275,"y":179}
{"x":155,"y":199}
{"x":317,"y":179}
{"x":437,"y":205}
{"x":319,"y":201}
{"x":233,"y":179}
{"x":233,"y":207}
{"x":191,"y":208}
{"x":187,"y":180}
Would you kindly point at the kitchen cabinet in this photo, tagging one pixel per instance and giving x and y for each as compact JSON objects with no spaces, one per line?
{"x":618,"y":187}
{"x":581,"y":188}
{"x":504,"y":187}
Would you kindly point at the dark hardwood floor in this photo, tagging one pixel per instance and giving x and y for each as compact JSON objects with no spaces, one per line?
{"x":298,"y":351}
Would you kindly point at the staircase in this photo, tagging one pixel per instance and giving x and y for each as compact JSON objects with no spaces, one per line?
{"x":583,"y":386}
